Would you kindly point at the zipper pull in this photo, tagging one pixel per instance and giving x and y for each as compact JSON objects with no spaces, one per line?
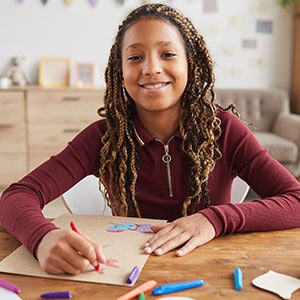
{"x":166,"y":157}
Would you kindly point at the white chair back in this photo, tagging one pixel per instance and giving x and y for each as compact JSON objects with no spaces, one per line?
{"x":85,"y":198}
{"x":239,"y":190}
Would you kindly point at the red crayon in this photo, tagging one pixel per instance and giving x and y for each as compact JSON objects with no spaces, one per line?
{"x":75,"y":228}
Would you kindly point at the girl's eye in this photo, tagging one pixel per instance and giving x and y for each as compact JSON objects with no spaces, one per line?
{"x":169,"y":54}
{"x":134,"y":57}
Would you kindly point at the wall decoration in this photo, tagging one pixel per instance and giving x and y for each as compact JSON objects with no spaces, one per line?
{"x":249,"y":43}
{"x":226,"y":50}
{"x":232,"y":71}
{"x":261,"y":7}
{"x":84,"y":75}
{"x":54,"y":72}
{"x":237,"y":22}
{"x":210,"y":6}
{"x":263,"y":26}
{"x":258,"y":63}
{"x":93,"y":2}
{"x":68,"y":2}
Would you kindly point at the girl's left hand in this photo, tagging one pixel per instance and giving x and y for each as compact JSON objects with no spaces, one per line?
{"x":189,"y":232}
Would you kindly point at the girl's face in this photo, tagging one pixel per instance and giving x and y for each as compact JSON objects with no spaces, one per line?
{"x":154,"y":65}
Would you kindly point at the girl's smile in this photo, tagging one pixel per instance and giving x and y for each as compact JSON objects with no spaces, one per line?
{"x":154,"y":87}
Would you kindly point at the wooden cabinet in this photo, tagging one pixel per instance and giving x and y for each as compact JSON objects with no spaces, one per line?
{"x":55,"y":116}
{"x":295,"y":86}
{"x":12,"y":136}
{"x":36,"y":123}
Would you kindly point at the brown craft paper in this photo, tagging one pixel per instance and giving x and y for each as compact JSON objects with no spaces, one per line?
{"x":125,"y":247}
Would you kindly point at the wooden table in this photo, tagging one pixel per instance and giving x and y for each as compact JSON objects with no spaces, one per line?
{"x":254,"y":253}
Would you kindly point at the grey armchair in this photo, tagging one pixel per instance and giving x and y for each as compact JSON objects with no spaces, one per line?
{"x":275,"y":127}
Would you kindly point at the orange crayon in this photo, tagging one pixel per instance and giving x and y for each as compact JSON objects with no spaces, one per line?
{"x":143,"y":288}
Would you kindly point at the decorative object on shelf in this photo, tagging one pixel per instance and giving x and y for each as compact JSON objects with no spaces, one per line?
{"x":93,"y":2}
{"x":68,"y":2}
{"x":5,"y":82}
{"x":44,"y":1}
{"x":15,"y":72}
{"x":54,"y":72}
{"x":84,"y":75}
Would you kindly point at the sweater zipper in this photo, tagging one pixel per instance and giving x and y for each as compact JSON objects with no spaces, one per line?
{"x":166,"y":158}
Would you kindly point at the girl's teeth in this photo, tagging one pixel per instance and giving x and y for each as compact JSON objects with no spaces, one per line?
{"x":153,"y":86}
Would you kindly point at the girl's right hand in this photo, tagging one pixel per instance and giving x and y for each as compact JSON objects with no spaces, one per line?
{"x":64,"y":251}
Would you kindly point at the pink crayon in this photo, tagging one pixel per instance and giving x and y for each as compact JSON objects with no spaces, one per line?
{"x":9,"y":286}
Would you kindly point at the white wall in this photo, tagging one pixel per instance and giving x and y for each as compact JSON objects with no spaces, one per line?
{"x":85,"y":33}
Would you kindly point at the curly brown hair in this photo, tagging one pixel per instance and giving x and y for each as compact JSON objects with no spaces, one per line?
{"x":199,"y":126}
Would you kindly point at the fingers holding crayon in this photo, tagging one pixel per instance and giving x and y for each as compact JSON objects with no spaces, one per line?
{"x":64,"y":251}
{"x":91,"y":249}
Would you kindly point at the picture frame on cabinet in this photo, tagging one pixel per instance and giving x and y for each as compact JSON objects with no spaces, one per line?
{"x":54,"y":72}
{"x":84,"y":75}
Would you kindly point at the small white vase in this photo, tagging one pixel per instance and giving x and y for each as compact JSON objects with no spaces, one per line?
{"x":5,"y":82}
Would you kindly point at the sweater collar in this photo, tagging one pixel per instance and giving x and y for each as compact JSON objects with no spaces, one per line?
{"x":142,"y":135}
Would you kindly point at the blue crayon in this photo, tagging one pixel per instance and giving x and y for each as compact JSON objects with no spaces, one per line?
{"x":238,"y":278}
{"x":177,"y":286}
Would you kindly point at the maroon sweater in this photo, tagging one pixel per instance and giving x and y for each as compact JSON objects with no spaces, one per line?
{"x":161,"y":189}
